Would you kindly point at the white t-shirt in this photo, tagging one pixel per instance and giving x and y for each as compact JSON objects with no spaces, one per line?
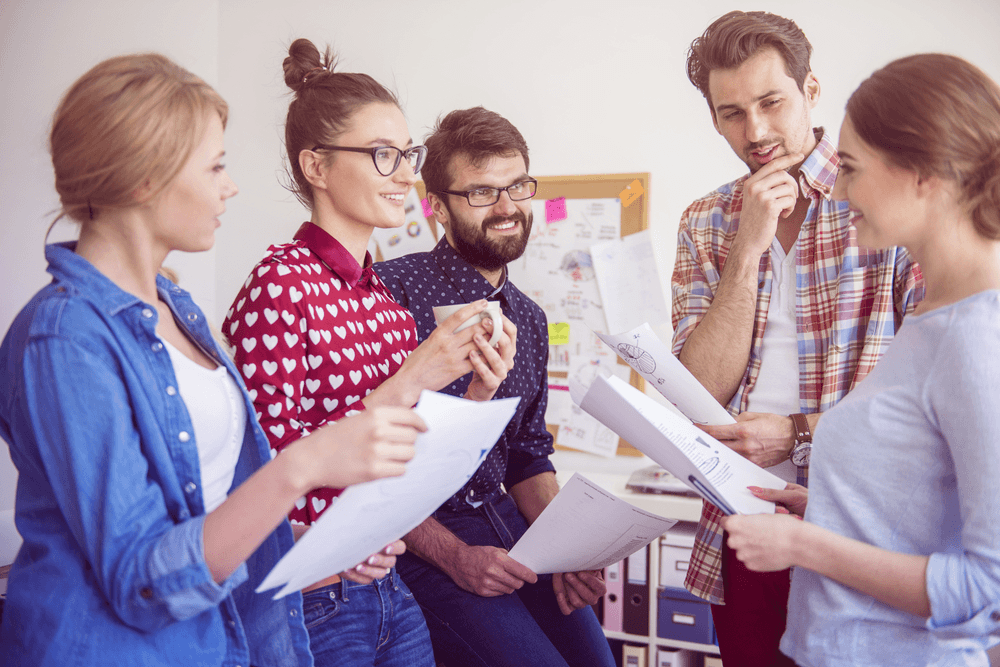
{"x":218,"y":417}
{"x":777,"y":387}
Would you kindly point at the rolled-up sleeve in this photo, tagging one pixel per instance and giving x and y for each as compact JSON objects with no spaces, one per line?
{"x":691,"y":290}
{"x":99,"y":459}
{"x":963,"y":583}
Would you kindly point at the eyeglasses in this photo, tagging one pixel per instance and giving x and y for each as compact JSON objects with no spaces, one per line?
{"x":386,"y":158}
{"x":488,"y":196}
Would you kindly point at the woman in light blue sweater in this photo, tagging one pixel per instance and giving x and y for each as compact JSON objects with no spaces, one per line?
{"x":898,"y":558}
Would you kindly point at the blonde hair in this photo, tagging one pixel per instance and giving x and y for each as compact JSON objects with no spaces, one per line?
{"x":130,"y":120}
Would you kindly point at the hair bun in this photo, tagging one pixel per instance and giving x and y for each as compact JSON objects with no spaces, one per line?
{"x":305,"y":64}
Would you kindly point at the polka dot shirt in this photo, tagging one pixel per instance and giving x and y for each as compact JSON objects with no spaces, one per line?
{"x":441,"y":277}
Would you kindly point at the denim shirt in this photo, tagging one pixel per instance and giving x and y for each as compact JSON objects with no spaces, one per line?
{"x":112,"y":569}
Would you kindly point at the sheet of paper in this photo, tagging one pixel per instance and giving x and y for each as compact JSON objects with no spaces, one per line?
{"x":628,"y":282}
{"x":368,"y":516}
{"x":643,"y":350}
{"x":579,"y":430}
{"x":414,"y":236}
{"x":708,"y":467}
{"x":586,"y":528}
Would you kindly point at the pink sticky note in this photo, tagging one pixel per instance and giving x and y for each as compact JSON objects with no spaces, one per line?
{"x":427,"y":207}
{"x":555,"y":209}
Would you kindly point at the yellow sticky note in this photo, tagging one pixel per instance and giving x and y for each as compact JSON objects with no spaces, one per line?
{"x":558,"y":333}
{"x":632,"y":192}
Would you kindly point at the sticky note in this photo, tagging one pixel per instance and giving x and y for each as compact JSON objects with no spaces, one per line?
{"x":428,"y":212}
{"x":631,"y":193}
{"x":558,"y":333}
{"x":555,"y":209}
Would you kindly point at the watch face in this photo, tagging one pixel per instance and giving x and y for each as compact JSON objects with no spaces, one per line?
{"x":800,"y":455}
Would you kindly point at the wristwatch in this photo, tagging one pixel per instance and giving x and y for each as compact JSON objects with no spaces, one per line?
{"x":803,"y":441}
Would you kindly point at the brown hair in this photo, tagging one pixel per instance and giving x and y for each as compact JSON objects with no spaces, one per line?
{"x":476,"y":133}
{"x":733,"y":38}
{"x":130,"y":120}
{"x":324,"y":103}
{"x":937,"y":115}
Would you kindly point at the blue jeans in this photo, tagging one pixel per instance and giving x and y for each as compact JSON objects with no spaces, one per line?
{"x":355,"y":625}
{"x":518,"y":630}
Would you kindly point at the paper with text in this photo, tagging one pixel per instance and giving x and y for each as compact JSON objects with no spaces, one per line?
{"x":367,"y":517}
{"x":628,"y":282}
{"x":715,"y":472}
{"x":586,"y":527}
{"x":643,"y":350}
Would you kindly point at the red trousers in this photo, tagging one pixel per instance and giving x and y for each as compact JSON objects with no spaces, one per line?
{"x":750,"y":624}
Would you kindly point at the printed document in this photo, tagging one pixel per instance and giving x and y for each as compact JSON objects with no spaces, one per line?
{"x":652,"y":359}
{"x":586,"y":528}
{"x":367,"y":517}
{"x":711,"y":469}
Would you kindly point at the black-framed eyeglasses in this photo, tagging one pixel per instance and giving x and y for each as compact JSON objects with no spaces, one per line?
{"x":488,"y":196}
{"x":386,"y":158}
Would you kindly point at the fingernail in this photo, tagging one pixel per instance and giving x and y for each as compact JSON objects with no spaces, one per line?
{"x":372,"y":560}
{"x":388,"y":550}
{"x":754,"y":488}
{"x":360,"y":567}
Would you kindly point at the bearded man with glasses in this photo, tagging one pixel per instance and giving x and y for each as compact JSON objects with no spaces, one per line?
{"x":481,"y":606}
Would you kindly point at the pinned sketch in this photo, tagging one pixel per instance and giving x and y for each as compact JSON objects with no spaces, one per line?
{"x":643,"y":350}
{"x":366,"y":517}
{"x":629,"y":282}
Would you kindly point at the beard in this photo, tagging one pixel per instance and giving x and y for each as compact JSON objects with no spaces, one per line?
{"x":478,"y":249}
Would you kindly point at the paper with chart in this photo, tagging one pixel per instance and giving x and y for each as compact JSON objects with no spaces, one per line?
{"x":586,"y":527}
{"x":629,"y":282}
{"x":712,"y":470}
{"x":366,"y":517}
{"x":414,"y":236}
{"x":652,"y":359}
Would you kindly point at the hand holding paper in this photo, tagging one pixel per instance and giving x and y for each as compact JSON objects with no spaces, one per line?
{"x":366,"y":517}
{"x":711,"y":469}
{"x":586,"y":528}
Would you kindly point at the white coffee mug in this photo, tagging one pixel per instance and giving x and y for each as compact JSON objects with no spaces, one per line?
{"x":441,"y":313}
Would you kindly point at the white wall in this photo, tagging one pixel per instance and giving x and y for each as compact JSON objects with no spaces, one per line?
{"x":595,"y":87}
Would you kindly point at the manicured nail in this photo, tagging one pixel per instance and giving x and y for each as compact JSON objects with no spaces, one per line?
{"x":754,"y":488}
{"x":388,"y":550}
{"x":372,"y":560}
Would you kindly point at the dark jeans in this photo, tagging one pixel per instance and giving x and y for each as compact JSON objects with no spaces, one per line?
{"x":360,"y":625}
{"x":522,"y":629}
{"x":750,"y":624}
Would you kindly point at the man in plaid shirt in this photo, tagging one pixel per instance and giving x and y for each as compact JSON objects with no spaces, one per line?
{"x":775,"y":308}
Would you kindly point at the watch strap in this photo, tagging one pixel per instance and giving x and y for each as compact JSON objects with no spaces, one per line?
{"x":802,"y":430}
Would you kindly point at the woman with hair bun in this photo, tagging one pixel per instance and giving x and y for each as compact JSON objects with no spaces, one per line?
{"x":147,"y":499}
{"x":898,"y":558}
{"x":321,"y":337}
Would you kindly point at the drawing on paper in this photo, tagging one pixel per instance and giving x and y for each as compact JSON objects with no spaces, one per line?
{"x":637,"y":357}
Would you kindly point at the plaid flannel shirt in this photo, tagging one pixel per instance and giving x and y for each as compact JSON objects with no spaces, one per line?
{"x":849,"y":303}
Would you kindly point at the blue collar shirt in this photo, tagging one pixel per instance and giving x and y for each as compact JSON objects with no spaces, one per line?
{"x":109,"y":503}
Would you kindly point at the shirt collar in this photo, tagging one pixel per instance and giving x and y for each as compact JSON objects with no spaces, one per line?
{"x":84,"y":278}
{"x":818,"y":172}
{"x":335,"y":255}
{"x":466,"y":278}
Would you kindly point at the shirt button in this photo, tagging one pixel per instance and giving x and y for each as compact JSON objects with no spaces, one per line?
{"x":293,"y":613}
{"x":183,"y":436}
{"x":146,"y":593}
{"x":192,"y":317}
{"x":171,"y":391}
{"x":147,"y":313}
{"x":232,"y":623}
{"x":190,"y":487}
{"x":157,"y":346}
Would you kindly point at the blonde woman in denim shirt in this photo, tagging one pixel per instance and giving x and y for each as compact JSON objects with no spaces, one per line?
{"x":148,"y":502}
